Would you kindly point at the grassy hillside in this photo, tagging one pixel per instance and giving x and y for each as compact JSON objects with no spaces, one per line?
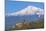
{"x":31,"y":25}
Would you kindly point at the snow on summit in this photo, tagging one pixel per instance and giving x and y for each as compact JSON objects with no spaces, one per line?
{"x":28,"y":10}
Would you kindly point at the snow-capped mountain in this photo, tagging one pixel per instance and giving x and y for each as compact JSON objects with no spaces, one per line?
{"x":29,"y":14}
{"x":29,"y":10}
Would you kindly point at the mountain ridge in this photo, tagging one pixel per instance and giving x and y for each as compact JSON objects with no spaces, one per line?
{"x":28,"y":10}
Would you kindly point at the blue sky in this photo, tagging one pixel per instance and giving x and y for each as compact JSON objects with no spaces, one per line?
{"x":13,"y":6}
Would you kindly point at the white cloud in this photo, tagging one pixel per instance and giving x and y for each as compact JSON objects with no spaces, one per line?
{"x":30,"y":0}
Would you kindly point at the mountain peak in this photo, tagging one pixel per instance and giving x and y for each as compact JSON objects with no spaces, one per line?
{"x":28,"y":10}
